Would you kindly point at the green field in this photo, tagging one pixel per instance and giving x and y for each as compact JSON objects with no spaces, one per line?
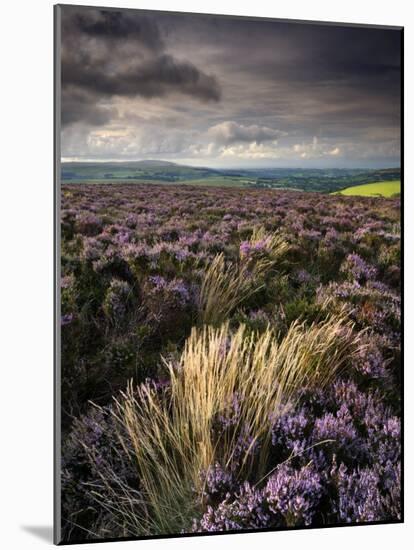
{"x":221,"y":181}
{"x":380,"y":188}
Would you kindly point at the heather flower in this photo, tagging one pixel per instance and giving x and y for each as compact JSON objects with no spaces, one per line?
{"x":67,"y":319}
{"x":370,"y":361}
{"x":132,"y":252}
{"x":89,"y":224}
{"x":331,"y":236}
{"x":93,"y":461}
{"x":359,"y":497}
{"x":92,"y":249}
{"x":338,"y":427}
{"x":123,"y":237}
{"x":67,"y":281}
{"x":245,"y":248}
{"x":248,"y":248}
{"x":217,"y":481}
{"x":290,"y":431}
{"x":132,"y":221}
{"x":303,"y":276}
{"x":189,"y":240}
{"x":174,"y":289}
{"x":310,"y":234}
{"x":244,"y":510}
{"x":294,"y":494}
{"x":357,"y":269}
{"x":116,"y":300}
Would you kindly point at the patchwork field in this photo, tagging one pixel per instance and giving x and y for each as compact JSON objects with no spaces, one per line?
{"x":169,"y":173}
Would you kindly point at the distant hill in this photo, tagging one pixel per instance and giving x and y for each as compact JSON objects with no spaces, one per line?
{"x":120,"y":164}
{"x":156,"y":170}
{"x":160,"y":171}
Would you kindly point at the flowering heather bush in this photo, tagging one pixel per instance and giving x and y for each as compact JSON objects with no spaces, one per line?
{"x":144,"y":268}
{"x":357,"y":269}
{"x":96,"y":468}
{"x":343,"y":464}
{"x":116,"y":299}
{"x":294,"y":495}
{"x":88,"y":224}
{"x":175,"y":290}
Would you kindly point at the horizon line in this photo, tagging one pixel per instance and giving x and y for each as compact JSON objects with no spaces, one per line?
{"x":234,"y":167}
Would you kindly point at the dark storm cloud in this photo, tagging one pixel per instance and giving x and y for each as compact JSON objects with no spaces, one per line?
{"x":112,"y":25}
{"x":107,"y":54}
{"x":152,"y":78}
{"x":303,"y":55}
{"x":305,"y":79}
{"x":229,"y":88}
{"x":80,"y":105}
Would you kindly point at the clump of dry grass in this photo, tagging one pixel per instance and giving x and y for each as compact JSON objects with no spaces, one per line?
{"x":273,"y":243}
{"x":171,"y":433}
{"x":225,"y":287}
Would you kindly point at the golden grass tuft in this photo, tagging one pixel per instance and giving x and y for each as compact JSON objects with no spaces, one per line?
{"x":225,"y":287}
{"x":172,"y":434}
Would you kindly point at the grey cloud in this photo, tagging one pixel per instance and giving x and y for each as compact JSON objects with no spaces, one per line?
{"x":154,"y":78}
{"x":106,"y":54}
{"x":231,"y":82}
{"x":115,"y":27}
{"x":78,"y":105}
{"x":229,"y":132}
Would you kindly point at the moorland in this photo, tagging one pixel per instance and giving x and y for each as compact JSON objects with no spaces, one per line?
{"x":230,"y":357}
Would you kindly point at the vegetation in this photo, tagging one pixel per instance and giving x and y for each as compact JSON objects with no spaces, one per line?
{"x":230,"y":359}
{"x":324,"y":181}
{"x":383,"y":189}
{"x":173,"y":436}
{"x":223,"y":287}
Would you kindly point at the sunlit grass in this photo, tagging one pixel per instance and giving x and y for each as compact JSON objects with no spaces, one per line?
{"x":381,"y":188}
{"x":171,"y":432}
{"x":226,"y":286}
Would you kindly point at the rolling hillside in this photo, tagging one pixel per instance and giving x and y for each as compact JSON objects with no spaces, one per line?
{"x":158,"y":171}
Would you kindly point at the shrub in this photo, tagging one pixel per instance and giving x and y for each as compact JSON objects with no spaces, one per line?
{"x":116,"y":302}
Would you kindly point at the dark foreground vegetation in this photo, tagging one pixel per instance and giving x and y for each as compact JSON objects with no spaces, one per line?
{"x":230,"y":360}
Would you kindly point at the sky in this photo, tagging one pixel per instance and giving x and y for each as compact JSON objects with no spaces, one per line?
{"x":228,"y":92}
